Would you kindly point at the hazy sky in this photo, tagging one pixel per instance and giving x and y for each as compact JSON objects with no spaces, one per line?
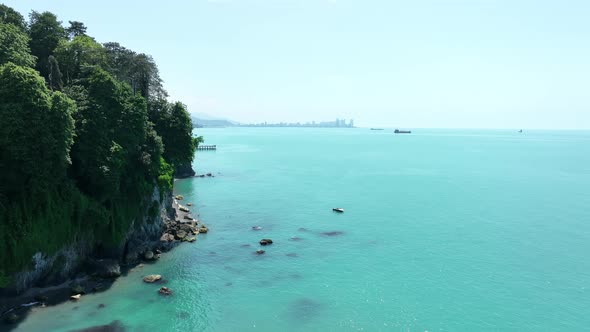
{"x":418,"y":63}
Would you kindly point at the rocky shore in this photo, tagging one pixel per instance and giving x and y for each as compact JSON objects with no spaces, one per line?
{"x":145,"y":242}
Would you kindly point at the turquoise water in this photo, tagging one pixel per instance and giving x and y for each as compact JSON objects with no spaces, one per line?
{"x":443,"y":231}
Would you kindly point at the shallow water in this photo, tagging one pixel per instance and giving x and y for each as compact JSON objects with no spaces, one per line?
{"x":443,"y":230}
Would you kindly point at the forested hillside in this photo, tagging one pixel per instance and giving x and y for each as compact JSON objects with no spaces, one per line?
{"x":86,"y":133}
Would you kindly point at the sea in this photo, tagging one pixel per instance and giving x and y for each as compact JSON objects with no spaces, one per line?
{"x":442,"y":230}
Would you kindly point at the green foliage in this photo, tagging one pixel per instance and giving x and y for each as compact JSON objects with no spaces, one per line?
{"x":36,"y":132}
{"x":46,"y":32}
{"x":80,"y":164}
{"x":14,"y":46}
{"x":76,"y":29}
{"x":78,"y":53}
{"x":174,"y":124}
{"x":10,"y":16}
{"x":166,"y":176}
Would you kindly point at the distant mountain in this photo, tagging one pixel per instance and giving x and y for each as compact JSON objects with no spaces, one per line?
{"x":202,"y":120}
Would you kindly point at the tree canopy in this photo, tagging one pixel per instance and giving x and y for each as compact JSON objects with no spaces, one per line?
{"x":86,"y":134}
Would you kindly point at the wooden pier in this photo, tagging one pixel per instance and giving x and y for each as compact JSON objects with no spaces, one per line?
{"x":207,"y":147}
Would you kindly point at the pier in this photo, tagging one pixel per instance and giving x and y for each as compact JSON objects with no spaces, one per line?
{"x":207,"y":147}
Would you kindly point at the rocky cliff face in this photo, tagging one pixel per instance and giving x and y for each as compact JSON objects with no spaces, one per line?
{"x":73,"y":259}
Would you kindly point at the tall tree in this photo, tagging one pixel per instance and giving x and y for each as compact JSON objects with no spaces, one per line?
{"x":55,"y":75}
{"x":76,"y":29}
{"x":14,"y":46}
{"x":10,"y":16}
{"x":36,"y":131}
{"x":45,"y":32}
{"x":74,"y":55}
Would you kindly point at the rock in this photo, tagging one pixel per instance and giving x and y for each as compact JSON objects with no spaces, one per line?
{"x":107,"y":268}
{"x":179,"y":197}
{"x":75,"y":297}
{"x":209,"y":174}
{"x":167,"y":237}
{"x":165,"y":291}
{"x":11,"y":318}
{"x":100,"y":306}
{"x":188,"y":217}
{"x":184,"y":209}
{"x":78,"y":289}
{"x":148,"y":255}
{"x":41,"y":298}
{"x":191,"y":239}
{"x":265,"y":241}
{"x":260,"y":251}
{"x":180,"y":234}
{"x":203,"y":229}
{"x":152,"y":278}
{"x":158,"y":251}
{"x":189,"y":204}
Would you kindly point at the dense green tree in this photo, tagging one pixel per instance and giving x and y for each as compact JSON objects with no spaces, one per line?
{"x":55,"y":75}
{"x":36,"y":132}
{"x":10,"y":16}
{"x":74,"y":55}
{"x":76,"y":29}
{"x":174,"y":124}
{"x":45,"y":32}
{"x":14,"y":46}
{"x":81,"y":164}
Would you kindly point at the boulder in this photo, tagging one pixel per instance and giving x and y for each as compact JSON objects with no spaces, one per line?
{"x":180,"y":234}
{"x":107,"y":268}
{"x":78,"y":289}
{"x":184,"y":209}
{"x":167,"y":237}
{"x":75,"y":297}
{"x":11,"y":318}
{"x":265,"y":241}
{"x":203,"y":229}
{"x":152,"y":278}
{"x":165,"y":291}
{"x":191,"y":239}
{"x":179,"y":197}
{"x":148,"y":255}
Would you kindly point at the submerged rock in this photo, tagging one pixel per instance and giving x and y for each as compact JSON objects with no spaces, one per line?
{"x":203,"y":229}
{"x":333,"y":233}
{"x":114,"y":326}
{"x":152,"y":278}
{"x":260,"y":252}
{"x":265,"y":242}
{"x":165,"y":291}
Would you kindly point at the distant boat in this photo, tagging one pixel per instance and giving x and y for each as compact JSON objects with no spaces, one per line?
{"x":376,"y":128}
{"x":339,"y":210}
{"x":397,"y":131}
{"x":520,"y":131}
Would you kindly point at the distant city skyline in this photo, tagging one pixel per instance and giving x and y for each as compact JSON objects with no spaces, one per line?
{"x":339,"y":123}
{"x":423,"y":63}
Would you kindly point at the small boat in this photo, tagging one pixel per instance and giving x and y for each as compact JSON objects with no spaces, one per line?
{"x":340,"y":210}
{"x":520,"y":131}
{"x":376,"y":128}
{"x":397,"y":131}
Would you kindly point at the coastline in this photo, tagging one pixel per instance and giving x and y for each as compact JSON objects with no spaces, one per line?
{"x":98,"y":275}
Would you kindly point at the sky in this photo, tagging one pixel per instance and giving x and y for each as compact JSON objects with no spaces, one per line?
{"x":409,"y":64}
